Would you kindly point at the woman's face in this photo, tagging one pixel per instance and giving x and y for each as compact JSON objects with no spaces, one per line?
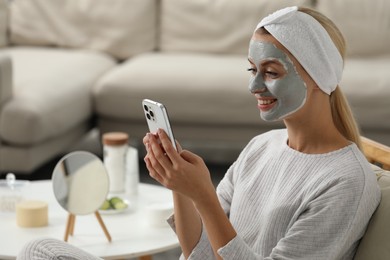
{"x":276,"y":83}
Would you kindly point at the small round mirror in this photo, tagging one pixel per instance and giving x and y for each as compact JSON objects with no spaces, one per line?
{"x":80,"y":183}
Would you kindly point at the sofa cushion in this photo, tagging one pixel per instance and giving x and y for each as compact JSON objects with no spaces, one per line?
{"x":375,"y":243}
{"x":365,"y":24}
{"x":3,"y":22}
{"x":92,"y":24}
{"x":194,"y":87}
{"x":223,"y":26}
{"x":51,"y":92}
{"x":366,"y":83}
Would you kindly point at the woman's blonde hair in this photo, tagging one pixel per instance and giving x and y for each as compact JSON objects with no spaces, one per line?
{"x":341,"y":111}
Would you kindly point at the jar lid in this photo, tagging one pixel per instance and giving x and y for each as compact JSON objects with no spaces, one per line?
{"x":11,"y":183}
{"x":115,"y":138}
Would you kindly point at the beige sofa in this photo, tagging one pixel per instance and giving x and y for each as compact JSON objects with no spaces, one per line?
{"x":86,"y":63}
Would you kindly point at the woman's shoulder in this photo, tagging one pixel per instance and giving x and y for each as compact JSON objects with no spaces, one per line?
{"x":272,"y":136}
{"x":269,"y":140}
{"x":349,"y":165}
{"x":354,"y":159}
{"x":265,"y":143}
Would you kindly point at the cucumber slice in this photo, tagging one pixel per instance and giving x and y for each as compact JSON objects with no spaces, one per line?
{"x":106,"y":205}
{"x":117,"y":203}
{"x":120,"y":205}
{"x":115,"y":200}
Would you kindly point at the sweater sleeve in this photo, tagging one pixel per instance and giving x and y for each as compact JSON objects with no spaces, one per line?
{"x":328,"y":227}
{"x":203,"y":249}
{"x":225,"y":192}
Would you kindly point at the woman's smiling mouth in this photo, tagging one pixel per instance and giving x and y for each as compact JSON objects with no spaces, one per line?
{"x":265,"y":103}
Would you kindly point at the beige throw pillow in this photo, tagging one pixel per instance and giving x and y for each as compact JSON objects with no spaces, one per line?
{"x":375,"y":243}
{"x":220,"y":26}
{"x":121,"y":28}
{"x":364,"y":23}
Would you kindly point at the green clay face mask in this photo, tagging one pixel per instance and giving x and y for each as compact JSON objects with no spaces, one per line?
{"x":283,"y":95}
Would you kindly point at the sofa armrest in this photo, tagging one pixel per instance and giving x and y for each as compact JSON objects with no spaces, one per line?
{"x":5,"y":79}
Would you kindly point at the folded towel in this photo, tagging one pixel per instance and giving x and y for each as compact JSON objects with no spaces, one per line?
{"x":310,"y":44}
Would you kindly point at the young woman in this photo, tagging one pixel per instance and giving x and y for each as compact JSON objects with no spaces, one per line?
{"x":304,"y":192}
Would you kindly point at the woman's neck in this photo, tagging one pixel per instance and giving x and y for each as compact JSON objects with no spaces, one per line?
{"x":314,"y":134}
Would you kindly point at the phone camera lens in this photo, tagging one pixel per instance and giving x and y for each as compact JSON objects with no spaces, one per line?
{"x":148,"y":116}
{"x":146,"y":108}
{"x":151,"y":113}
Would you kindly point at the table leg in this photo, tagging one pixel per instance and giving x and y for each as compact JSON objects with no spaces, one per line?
{"x":99,"y":218}
{"x":146,"y":257}
{"x":69,"y":226}
{"x":72,"y":223}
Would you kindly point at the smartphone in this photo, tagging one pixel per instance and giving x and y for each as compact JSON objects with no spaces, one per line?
{"x":157,"y":117}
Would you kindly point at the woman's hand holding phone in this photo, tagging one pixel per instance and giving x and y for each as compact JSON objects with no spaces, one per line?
{"x":183,"y":172}
{"x":187,"y":175}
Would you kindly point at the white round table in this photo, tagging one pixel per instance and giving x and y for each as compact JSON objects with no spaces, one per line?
{"x":132,"y":235}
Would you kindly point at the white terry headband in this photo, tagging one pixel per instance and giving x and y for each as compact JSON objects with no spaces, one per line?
{"x":310,"y":44}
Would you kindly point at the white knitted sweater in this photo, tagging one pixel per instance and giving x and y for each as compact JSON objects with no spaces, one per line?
{"x":285,"y":204}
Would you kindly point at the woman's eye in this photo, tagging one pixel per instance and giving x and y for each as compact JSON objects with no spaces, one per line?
{"x":253,"y":70}
{"x":271,"y":74}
